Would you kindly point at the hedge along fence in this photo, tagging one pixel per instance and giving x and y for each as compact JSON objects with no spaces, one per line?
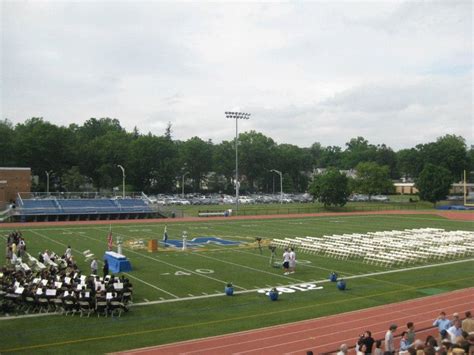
{"x":366,"y":207}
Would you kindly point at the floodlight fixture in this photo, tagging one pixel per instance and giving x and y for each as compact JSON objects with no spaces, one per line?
{"x":237,"y":115}
{"x":123,"y":180}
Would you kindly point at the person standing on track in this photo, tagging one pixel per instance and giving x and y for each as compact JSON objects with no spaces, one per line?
{"x":442,"y":323}
{"x":286,"y":261}
{"x":389,"y":340}
{"x":411,"y":332}
{"x":292,"y":262}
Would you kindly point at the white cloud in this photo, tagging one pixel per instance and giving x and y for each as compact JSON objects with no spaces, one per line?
{"x":398,"y":73}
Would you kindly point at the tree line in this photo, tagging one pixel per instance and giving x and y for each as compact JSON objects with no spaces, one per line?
{"x":89,"y":154}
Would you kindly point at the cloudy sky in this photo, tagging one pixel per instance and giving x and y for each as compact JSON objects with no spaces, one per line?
{"x":393,"y":72}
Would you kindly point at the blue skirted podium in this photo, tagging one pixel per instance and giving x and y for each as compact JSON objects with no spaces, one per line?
{"x":117,"y":262}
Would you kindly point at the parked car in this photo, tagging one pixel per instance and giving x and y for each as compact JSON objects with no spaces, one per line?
{"x":245,"y":200}
{"x":358,"y":198}
{"x":380,"y":198}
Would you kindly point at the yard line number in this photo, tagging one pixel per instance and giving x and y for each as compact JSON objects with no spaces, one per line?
{"x":293,"y":288}
{"x":199,"y":271}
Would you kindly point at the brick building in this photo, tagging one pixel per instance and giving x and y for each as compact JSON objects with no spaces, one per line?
{"x":12,"y":181}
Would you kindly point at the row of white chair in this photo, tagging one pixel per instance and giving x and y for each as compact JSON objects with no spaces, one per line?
{"x":388,"y":248}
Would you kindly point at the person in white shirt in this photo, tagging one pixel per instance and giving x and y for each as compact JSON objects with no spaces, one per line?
{"x":342,"y":349}
{"x":292,"y":265}
{"x":455,"y":331}
{"x":389,"y":339}
{"x":68,"y":252}
{"x":94,"y":267}
{"x":46,"y":258}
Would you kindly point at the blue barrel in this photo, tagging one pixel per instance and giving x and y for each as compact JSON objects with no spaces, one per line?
{"x":341,"y":285}
{"x":229,"y":291}
{"x":273,"y":295}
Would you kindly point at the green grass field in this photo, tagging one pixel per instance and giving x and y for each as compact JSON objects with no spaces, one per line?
{"x":178,"y":295}
{"x":397,"y":202}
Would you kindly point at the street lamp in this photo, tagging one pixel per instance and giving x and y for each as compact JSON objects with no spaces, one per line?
{"x":123,"y":180}
{"x":47,"y":180}
{"x":182,"y":184}
{"x":281,"y":183}
{"x":237,"y":116}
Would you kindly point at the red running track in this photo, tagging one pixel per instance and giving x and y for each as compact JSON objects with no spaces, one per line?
{"x":322,"y":335}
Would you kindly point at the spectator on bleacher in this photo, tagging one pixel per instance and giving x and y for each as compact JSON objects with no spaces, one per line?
{"x":470,"y":340}
{"x":342,"y":349}
{"x":430,"y":340}
{"x":389,"y":340}
{"x":429,"y":350}
{"x":404,"y":342}
{"x":411,"y":332}
{"x":463,"y":343}
{"x":361,"y":348}
{"x":442,"y":323}
{"x":455,"y":317}
{"x":378,"y":348}
{"x":455,"y":331}
{"x":366,"y":340}
{"x":467,"y":324}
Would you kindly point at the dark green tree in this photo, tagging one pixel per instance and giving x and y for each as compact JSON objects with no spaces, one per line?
{"x":72,"y":180}
{"x":449,"y":152}
{"x":223,"y":161}
{"x":316,"y":152}
{"x":358,"y":150}
{"x":331,"y":188}
{"x":372,"y":179}
{"x":256,"y":158}
{"x":385,"y":156}
{"x":331,"y":157}
{"x":43,"y":147}
{"x":434,"y":183}
{"x":7,"y":146}
{"x":409,"y":162}
{"x":153,"y":164}
{"x":196,"y":156}
{"x":293,"y":161}
{"x":101,"y":155}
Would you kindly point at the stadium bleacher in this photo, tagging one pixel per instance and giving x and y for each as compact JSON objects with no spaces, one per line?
{"x":74,"y":209}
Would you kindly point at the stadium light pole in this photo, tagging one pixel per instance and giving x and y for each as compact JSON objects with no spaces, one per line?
{"x":182,"y":184}
{"x":123,"y":180}
{"x":47,"y":181}
{"x":281,"y":184}
{"x":238,"y":116}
